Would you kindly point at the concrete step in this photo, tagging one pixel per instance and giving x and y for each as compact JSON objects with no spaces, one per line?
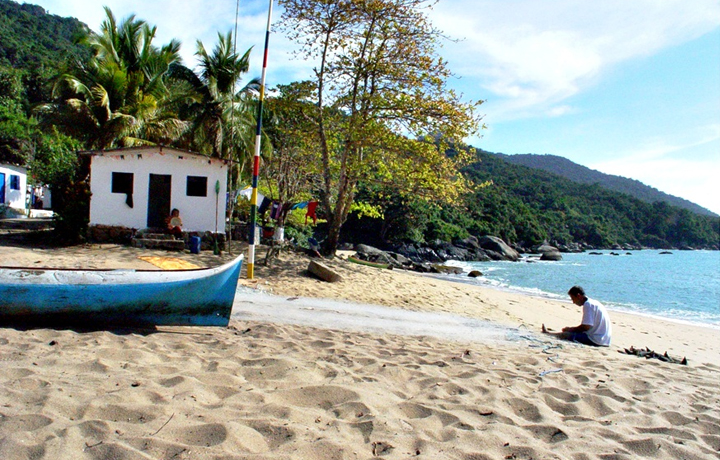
{"x":153,"y":243}
{"x":27,"y":223}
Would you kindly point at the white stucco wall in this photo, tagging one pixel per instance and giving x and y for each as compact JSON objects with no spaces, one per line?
{"x":198,"y":213}
{"x":14,"y":198}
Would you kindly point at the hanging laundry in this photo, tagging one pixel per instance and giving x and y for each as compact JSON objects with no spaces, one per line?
{"x":275,"y":210}
{"x":311,"y":206}
{"x":263,"y":205}
{"x":285,"y":209}
{"x":247,"y":194}
{"x":262,"y":201}
{"x":301,"y":205}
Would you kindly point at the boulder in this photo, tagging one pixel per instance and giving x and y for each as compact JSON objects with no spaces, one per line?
{"x":475,"y":274}
{"x":493,"y":244}
{"x":399,"y":258}
{"x":369,"y":250}
{"x":549,"y":252}
{"x":446,"y":270}
{"x":550,"y":255}
{"x":323,"y":272}
{"x":470,"y":242}
{"x":545,"y":247}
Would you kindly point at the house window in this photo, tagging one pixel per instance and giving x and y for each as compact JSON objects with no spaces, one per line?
{"x":14,"y":182}
{"x":122,"y":182}
{"x":196,"y":186}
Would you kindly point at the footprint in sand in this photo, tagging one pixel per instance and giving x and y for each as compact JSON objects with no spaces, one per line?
{"x":28,"y":422}
{"x":207,"y":435}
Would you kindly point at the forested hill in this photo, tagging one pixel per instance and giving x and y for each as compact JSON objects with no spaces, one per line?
{"x":530,"y":205}
{"x":584,"y":175}
{"x":30,"y":38}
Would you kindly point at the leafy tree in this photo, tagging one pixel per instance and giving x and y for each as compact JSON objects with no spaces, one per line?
{"x":31,"y":39}
{"x":221,"y":114}
{"x":115,"y":99}
{"x":292,"y":164}
{"x":56,"y":163}
{"x":16,"y":129}
{"x":378,"y":83}
{"x":16,"y":135}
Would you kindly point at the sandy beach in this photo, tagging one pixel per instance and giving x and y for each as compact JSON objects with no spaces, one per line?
{"x":279,"y":390}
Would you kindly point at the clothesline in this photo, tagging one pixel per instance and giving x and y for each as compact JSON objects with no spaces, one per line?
{"x":278,"y":210}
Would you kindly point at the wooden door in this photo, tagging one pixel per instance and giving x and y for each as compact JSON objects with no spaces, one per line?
{"x":158,"y":200}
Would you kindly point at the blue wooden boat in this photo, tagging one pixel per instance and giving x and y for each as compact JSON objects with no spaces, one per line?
{"x":118,"y":298}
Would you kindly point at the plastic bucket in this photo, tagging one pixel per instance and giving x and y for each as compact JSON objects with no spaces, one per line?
{"x":195,"y":244}
{"x":279,"y":234}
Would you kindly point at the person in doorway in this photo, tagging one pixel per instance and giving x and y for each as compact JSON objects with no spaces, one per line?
{"x":174,"y":223}
{"x":594,"y":329}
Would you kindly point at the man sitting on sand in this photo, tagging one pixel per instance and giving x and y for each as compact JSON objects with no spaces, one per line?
{"x":595,"y":328}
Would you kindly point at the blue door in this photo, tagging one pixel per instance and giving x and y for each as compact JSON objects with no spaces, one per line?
{"x":2,"y":188}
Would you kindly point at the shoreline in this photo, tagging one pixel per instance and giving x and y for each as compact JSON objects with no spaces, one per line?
{"x":398,"y":289}
{"x":555,"y":298}
{"x":649,"y":285}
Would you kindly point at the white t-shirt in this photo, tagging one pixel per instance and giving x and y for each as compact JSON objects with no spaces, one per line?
{"x":595,"y":316}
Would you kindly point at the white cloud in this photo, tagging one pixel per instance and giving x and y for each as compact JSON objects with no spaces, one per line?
{"x":560,"y":110}
{"x":689,"y":170}
{"x":531,"y":54}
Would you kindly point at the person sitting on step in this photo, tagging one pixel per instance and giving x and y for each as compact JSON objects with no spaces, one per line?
{"x":174,"y":223}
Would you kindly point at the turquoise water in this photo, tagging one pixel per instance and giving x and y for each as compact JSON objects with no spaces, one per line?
{"x":683,"y":285}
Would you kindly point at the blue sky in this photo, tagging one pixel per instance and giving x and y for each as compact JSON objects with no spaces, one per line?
{"x":630,"y":88}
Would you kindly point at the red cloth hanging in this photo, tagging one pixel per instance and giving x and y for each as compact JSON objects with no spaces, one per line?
{"x":312,"y":205}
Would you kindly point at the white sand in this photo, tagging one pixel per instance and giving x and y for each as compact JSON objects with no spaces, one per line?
{"x":261,"y":390}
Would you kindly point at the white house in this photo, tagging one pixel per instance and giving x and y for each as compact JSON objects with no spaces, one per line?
{"x":138,"y":187}
{"x":13,"y":186}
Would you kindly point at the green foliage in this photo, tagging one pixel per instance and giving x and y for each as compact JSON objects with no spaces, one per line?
{"x":363,"y":209}
{"x":57,"y":164}
{"x":578,"y":173}
{"x":220,"y":111}
{"x":354,"y":136}
{"x":56,"y":160}
{"x":298,"y":233}
{"x":292,"y":165}
{"x":378,"y":89}
{"x":11,"y":87}
{"x":32,"y":39}
{"x":116,"y":98}
{"x":16,"y":134}
{"x":529,"y":206}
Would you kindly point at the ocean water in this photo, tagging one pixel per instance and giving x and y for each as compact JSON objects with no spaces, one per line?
{"x":681,"y":286}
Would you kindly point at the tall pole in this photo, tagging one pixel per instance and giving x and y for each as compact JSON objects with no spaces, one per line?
{"x":231,"y":158}
{"x":256,"y":158}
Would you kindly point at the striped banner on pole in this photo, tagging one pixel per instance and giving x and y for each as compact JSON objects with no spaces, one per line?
{"x":256,"y":158}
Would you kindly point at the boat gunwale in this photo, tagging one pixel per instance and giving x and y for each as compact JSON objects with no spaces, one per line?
{"x":133,"y":270}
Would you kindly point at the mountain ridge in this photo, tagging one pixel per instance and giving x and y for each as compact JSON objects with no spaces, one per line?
{"x":568,"y":169}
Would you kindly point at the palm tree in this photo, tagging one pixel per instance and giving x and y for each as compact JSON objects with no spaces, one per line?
{"x":222,"y":116}
{"x":117,"y":97}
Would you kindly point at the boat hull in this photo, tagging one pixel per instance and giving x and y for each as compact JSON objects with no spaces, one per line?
{"x":102,"y":298}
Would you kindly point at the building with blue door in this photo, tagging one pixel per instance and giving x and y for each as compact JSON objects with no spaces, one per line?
{"x":138,"y":187}
{"x":13,"y":187}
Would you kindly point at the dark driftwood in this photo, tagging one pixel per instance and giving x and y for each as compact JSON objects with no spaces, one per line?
{"x":323,"y":272}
